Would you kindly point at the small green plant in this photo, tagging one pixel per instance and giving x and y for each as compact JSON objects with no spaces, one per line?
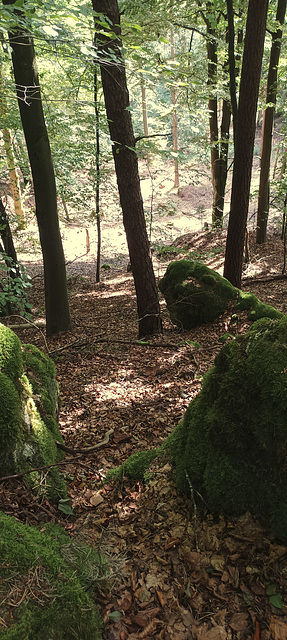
{"x":14,"y":281}
{"x":168,"y":251}
{"x":168,"y":209}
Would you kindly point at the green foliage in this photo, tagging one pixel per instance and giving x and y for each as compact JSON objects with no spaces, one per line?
{"x":233,"y":440}
{"x":57,"y":570}
{"x":14,"y":282}
{"x":194,"y":293}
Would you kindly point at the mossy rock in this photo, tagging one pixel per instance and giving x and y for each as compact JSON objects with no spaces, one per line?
{"x":49,"y":574}
{"x":196,"y":294}
{"x":232,"y":443}
{"x":28,"y":414}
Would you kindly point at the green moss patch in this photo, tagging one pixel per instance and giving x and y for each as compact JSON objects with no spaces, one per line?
{"x":196,"y":294}
{"x":43,"y":593}
{"x":11,"y":362}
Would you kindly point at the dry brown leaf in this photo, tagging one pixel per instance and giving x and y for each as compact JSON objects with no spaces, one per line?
{"x":239,"y":621}
{"x":125,"y":604}
{"x":96,"y":499}
{"x":217,"y":562}
{"x":216,"y":633}
{"x":278,"y":628}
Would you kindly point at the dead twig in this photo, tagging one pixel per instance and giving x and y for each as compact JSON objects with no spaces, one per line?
{"x":63,"y":447}
{"x":16,"y":476}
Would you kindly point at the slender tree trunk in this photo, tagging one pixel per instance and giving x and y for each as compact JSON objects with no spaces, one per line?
{"x":34,"y":127}
{"x":244,"y":141}
{"x":144,"y":106}
{"x":174,"y":119}
{"x":267,"y":127}
{"x":8,"y":147}
{"x":126,"y":165}
{"x":217,"y":212}
{"x":231,"y":60}
{"x":98,"y":177}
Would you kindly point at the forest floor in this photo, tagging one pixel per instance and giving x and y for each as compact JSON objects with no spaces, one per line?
{"x":178,"y":573}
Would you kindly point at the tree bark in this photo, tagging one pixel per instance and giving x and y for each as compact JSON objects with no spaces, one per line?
{"x":38,"y":146}
{"x":267,"y":127}
{"x":126,"y":166}
{"x":244,"y":141}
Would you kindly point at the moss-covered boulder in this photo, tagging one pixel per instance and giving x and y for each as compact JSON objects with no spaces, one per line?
{"x":44,"y":582}
{"x":232,"y":442}
{"x":196,"y":294}
{"x":28,"y":414}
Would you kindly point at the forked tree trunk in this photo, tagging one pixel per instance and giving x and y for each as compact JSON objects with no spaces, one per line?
{"x":34,"y":127}
{"x":126,"y":166}
{"x":267,"y":127}
{"x":244,"y":141}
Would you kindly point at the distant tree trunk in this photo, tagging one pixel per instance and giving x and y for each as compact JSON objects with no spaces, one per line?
{"x":98,"y":178}
{"x":231,"y":60}
{"x":126,"y":165}
{"x":174,"y":119}
{"x":267,"y":127}
{"x":244,"y":141}
{"x":144,"y":107}
{"x":218,"y":144}
{"x":7,"y":238}
{"x":34,"y":127}
{"x":8,"y":147}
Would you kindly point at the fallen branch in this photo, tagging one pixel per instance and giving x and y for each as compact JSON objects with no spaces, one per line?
{"x":63,"y":447}
{"x":28,"y":324}
{"x":47,"y":466}
{"x":267,"y":279}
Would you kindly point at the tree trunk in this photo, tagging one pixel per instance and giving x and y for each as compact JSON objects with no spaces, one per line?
{"x":126,"y":166}
{"x":267,"y":127}
{"x":174,"y":119}
{"x":34,"y":127}
{"x":217,"y":212}
{"x":8,"y":147}
{"x":231,"y":60}
{"x":244,"y":141}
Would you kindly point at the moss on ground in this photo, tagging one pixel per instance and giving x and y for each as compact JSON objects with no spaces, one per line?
{"x":49,"y":585}
{"x":196,"y":294}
